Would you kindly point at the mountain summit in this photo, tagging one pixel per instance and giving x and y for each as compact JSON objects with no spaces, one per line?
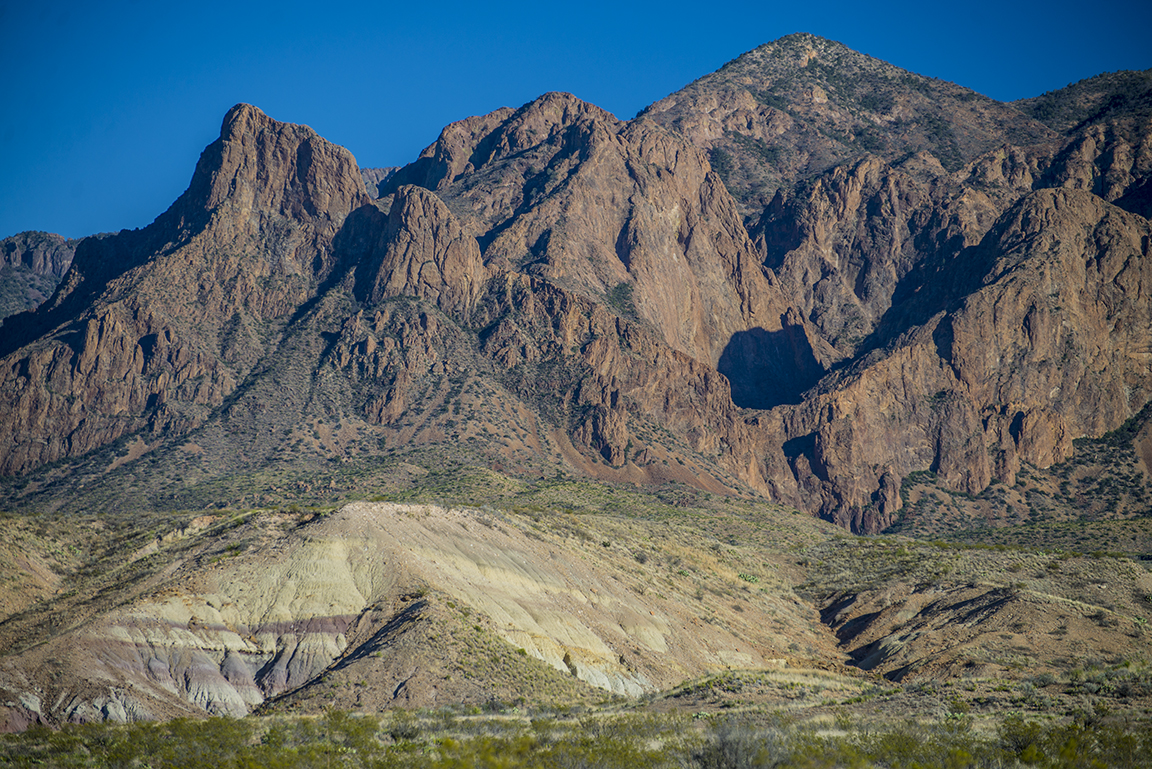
{"x":794,"y":108}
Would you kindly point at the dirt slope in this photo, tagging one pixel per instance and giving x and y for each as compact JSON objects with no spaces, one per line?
{"x":381,"y":605}
{"x":430,"y":605}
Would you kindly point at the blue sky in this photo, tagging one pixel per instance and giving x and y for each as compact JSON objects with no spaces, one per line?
{"x":107,"y":105}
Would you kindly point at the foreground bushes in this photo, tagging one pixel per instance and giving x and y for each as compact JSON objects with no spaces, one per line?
{"x":442,"y":741}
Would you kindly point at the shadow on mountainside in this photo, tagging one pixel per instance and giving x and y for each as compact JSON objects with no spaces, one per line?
{"x":769,"y":368}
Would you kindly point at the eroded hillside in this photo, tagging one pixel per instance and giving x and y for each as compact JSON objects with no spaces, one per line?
{"x":381,"y":605}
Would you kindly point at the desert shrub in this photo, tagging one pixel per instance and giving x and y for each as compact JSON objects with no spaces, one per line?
{"x":722,"y":163}
{"x":620,"y":297}
{"x":339,"y":739}
{"x":404,"y":727}
{"x":736,"y":744}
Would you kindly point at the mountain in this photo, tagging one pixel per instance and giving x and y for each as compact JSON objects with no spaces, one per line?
{"x":809,"y":279}
{"x":797,"y":107}
{"x":31,"y":264}
{"x":593,"y":295}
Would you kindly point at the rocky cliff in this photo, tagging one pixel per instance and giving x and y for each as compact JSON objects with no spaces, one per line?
{"x":804,"y":276}
{"x":375,"y":178}
{"x":31,"y":264}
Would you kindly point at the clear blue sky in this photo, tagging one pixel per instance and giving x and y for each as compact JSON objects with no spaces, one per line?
{"x":107,"y":105}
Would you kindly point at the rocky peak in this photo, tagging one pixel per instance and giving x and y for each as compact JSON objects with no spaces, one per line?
{"x":791,"y":109}
{"x":541,"y":121}
{"x":274,"y":190}
{"x":449,"y":155}
{"x":264,"y":167}
{"x":419,"y":249}
{"x":150,"y":327}
{"x":503,"y":135}
{"x":624,"y":212}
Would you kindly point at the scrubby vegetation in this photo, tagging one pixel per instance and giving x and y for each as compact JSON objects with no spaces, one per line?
{"x":1093,"y":100}
{"x":1061,"y":678}
{"x":455,"y":739}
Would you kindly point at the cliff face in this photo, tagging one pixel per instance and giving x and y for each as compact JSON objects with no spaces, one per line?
{"x":41,"y":252}
{"x":31,"y":264}
{"x":806,"y":275}
{"x":1053,"y":345}
{"x":150,"y":330}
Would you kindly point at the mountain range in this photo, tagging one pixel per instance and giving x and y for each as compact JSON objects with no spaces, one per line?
{"x":810,"y":279}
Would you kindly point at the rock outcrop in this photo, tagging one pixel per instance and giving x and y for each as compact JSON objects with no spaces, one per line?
{"x":1052,"y":346}
{"x":376,"y":178}
{"x":40,"y":252}
{"x":31,"y":264}
{"x":151,"y":329}
{"x":419,"y":250}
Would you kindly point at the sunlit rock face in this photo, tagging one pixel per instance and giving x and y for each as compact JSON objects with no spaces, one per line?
{"x":804,"y":276}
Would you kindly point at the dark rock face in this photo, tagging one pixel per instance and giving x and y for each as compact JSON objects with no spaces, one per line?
{"x":31,"y":264}
{"x":888,"y":274}
{"x":41,"y":252}
{"x":376,"y":178}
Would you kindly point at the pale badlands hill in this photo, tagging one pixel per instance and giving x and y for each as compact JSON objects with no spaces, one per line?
{"x":380,"y":605}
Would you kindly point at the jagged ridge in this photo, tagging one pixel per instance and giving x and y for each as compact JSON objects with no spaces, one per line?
{"x":599,"y":276}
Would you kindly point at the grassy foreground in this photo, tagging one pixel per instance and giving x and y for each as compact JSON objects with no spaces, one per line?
{"x":515,"y":739}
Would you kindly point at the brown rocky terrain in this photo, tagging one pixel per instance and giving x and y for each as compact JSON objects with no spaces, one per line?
{"x":600,"y":275}
{"x":809,"y":279}
{"x":31,"y":264}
